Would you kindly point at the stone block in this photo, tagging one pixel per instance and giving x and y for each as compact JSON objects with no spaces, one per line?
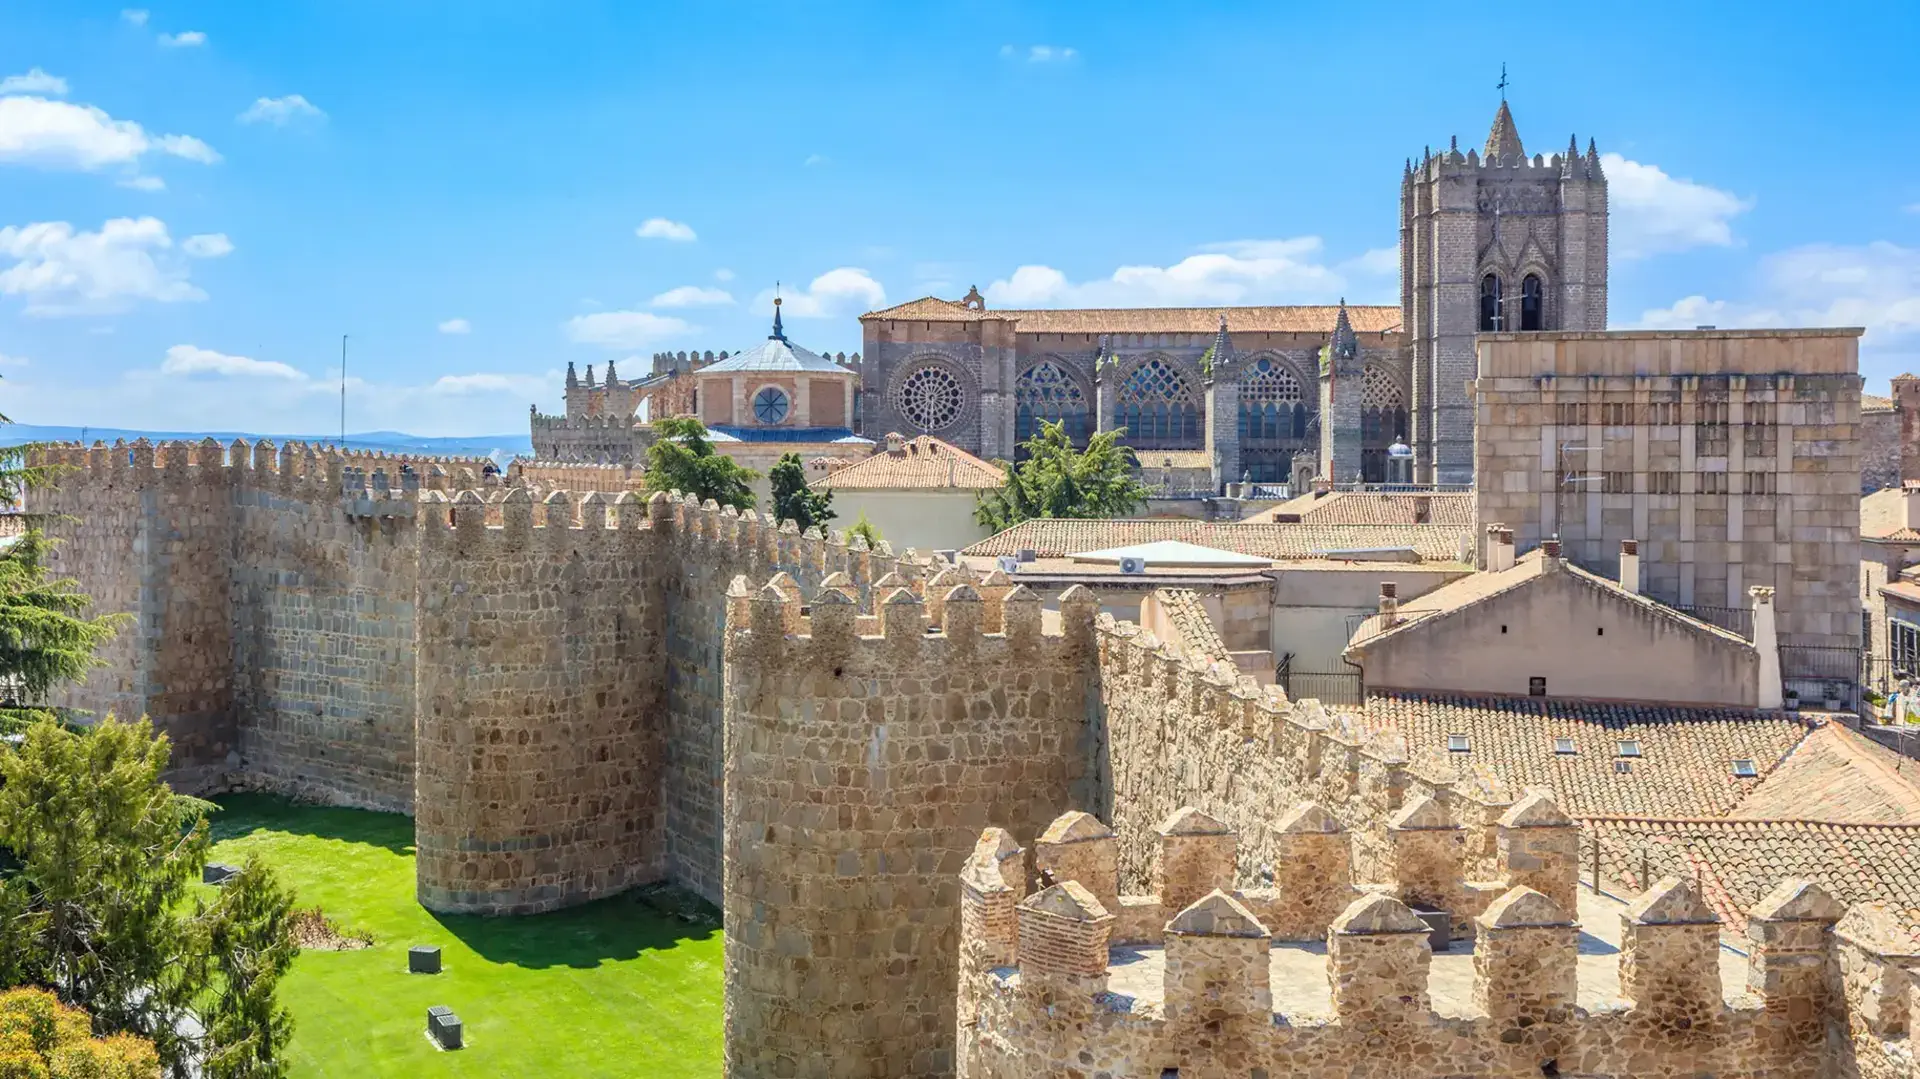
{"x":217,"y":873}
{"x":444,"y":1027}
{"x":422,"y":959}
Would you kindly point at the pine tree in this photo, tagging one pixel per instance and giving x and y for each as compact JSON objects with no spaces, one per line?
{"x":250,"y":941}
{"x":683,"y":459}
{"x":1056,"y":480}
{"x":793,"y":500}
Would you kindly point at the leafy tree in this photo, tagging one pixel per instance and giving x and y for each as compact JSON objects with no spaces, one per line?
{"x":865,"y":530}
{"x":793,"y":500}
{"x":1057,"y":480}
{"x":43,"y":1038}
{"x":682,"y":458}
{"x":95,"y":907}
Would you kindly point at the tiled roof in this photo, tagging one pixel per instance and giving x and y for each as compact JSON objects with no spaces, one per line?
{"x":1416,"y":615}
{"x":775,"y":354}
{"x":1174,"y":458}
{"x":1300,"y":319}
{"x":1370,"y":508}
{"x":1056,"y":538}
{"x":922,"y":462}
{"x":1192,"y":625}
{"x":1883,"y":515}
{"x":1838,"y":775}
{"x":1739,"y":862}
{"x":1685,"y":767}
{"x":1875,"y":403}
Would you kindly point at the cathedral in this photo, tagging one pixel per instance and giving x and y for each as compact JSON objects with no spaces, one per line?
{"x":1490,"y":240}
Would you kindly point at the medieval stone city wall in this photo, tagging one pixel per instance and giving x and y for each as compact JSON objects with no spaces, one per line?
{"x":862,"y":753}
{"x":1826,"y":993}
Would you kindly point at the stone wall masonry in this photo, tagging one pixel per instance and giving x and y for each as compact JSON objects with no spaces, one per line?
{"x":864,"y":756}
{"x":537,"y":737}
{"x":1821,"y":998}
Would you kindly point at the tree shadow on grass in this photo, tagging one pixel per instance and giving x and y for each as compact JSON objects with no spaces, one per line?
{"x":243,"y":814}
{"x":619,"y":927}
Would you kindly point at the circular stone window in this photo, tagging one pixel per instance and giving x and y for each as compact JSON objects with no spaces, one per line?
{"x":770,"y":405}
{"x":930,"y":398}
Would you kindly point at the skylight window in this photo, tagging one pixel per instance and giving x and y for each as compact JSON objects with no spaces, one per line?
{"x":1564,"y":747}
{"x":1744,"y":769}
{"x":1457,"y":743}
{"x":1629,"y":747}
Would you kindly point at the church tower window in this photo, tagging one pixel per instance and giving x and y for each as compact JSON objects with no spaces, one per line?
{"x":1532,"y":303}
{"x":770,"y":405}
{"x":1271,"y":404}
{"x":1490,"y":321}
{"x":930,"y":399}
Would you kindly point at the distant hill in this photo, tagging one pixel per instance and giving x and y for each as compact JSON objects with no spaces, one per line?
{"x":498,"y":447}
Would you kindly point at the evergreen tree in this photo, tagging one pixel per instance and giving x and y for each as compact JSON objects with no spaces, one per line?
{"x":1058,"y":481}
{"x":251,"y":945}
{"x":793,"y":500}
{"x":683,"y":459}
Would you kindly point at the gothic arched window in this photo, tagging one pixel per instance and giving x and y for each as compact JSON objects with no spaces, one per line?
{"x":1157,"y":407}
{"x":1490,"y":320}
{"x":1046,"y":393}
{"x":1272,"y":405}
{"x":1383,"y":418}
{"x":1532,"y":303}
{"x":930,"y":398}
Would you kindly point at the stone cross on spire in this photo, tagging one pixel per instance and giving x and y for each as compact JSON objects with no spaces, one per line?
{"x":1504,"y":139}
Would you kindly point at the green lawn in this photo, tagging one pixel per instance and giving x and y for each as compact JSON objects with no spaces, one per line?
{"x":622,"y":987}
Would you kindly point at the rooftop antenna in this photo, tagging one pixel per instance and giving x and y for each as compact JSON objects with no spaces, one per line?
{"x":1502,"y":84}
{"x":343,"y":393}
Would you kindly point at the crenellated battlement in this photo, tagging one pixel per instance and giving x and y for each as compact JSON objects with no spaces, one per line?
{"x":294,"y":470}
{"x":1062,"y":974}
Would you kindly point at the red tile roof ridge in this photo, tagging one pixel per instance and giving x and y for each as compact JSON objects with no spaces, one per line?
{"x":1749,"y":824}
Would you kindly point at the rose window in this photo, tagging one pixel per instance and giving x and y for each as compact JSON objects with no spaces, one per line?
{"x":770,"y":405}
{"x":930,"y":398}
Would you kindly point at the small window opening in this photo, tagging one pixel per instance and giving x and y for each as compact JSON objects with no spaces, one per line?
{"x":1744,"y":769}
{"x":1564,"y":746}
{"x":1536,"y":686}
{"x":1629,"y":747}
{"x":1599,"y":631}
{"x":1503,"y":629}
{"x":1623,"y":766}
{"x":1457,"y":743}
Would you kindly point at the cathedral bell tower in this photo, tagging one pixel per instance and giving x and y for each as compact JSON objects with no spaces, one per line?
{"x":1492,"y":241}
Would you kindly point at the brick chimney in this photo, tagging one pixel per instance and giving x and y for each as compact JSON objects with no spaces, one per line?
{"x":1630,"y":565}
{"x":1499,"y":548}
{"x":896,"y":443}
{"x":1389,"y":604}
{"x":1550,"y":553}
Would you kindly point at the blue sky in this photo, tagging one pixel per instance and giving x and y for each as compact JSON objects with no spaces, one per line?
{"x":197,"y":200}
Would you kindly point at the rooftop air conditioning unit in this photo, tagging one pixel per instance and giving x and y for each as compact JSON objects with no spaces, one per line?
{"x":1133,"y":565}
{"x":1008,"y":564}
{"x":1026,"y":554}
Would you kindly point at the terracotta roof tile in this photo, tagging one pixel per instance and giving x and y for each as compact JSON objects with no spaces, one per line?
{"x":1685,"y":766}
{"x":1370,"y":508}
{"x":921,"y":463}
{"x":1292,"y":319}
{"x":1838,"y":775}
{"x":1057,"y":538}
{"x":1875,"y":403}
{"x":1882,"y":513}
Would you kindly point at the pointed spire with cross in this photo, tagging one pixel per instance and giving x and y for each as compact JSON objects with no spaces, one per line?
{"x":779,"y":333}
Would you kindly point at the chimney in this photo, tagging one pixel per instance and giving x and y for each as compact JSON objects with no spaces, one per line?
{"x":1550,"y":553}
{"x":1770,"y":692}
{"x":1630,"y":565}
{"x":1422,"y":509}
{"x":896,"y":444}
{"x":1389,"y":604}
{"x":1499,"y":548}
{"x":1321,"y":486}
{"x":1910,"y":496}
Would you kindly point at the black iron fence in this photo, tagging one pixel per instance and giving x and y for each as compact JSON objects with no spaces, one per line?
{"x":1328,"y":687}
{"x":1732,"y":619}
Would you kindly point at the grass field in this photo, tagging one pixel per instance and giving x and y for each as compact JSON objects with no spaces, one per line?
{"x":624,"y":987}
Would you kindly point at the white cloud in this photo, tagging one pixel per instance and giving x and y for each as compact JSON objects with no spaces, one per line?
{"x":35,"y":81}
{"x":1237,"y":272}
{"x":280,"y":111}
{"x":133,"y":16}
{"x":191,"y":360}
{"x":723,"y":274}
{"x":456,"y":325}
{"x":143,"y":183}
{"x":1383,"y":261}
{"x":1651,"y":212}
{"x":624,"y":329}
{"x":58,"y":134}
{"x":1040,"y":54}
{"x":60,"y":271}
{"x":208,"y":245}
{"x":484,"y":383}
{"x":659,"y":228}
{"x":1875,"y":285}
{"x":1912,"y":207}
{"x":838,"y":293}
{"x":692,"y":296}
{"x":14,"y":361}
{"x":814,"y":159}
{"x":190,"y":39}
